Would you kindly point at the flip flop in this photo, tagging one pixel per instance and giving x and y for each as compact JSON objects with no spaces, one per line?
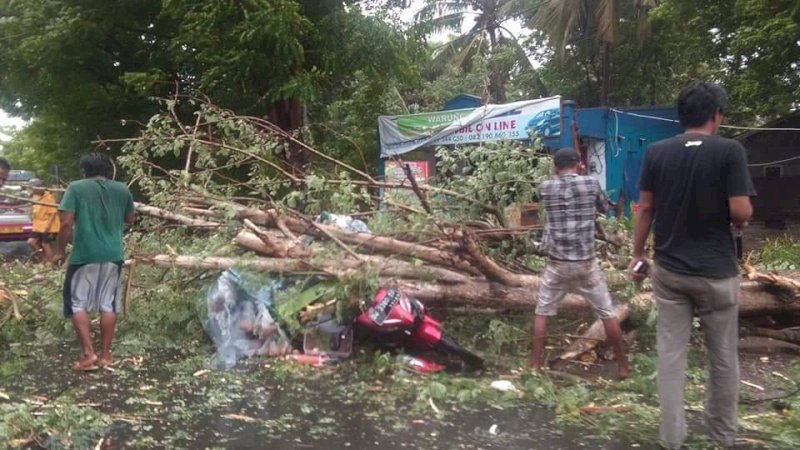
{"x":86,"y":366}
{"x":104,"y":363}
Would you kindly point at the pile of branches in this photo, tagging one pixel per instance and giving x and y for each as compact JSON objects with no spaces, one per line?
{"x":221,"y":173}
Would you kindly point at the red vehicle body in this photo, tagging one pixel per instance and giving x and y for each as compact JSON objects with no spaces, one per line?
{"x":404,"y":321}
{"x":15,"y":221}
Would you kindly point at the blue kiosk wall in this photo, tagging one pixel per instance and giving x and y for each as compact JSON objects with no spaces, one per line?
{"x":627,"y":132}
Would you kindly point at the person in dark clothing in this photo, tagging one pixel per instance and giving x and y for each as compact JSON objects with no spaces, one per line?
{"x":695,"y":191}
{"x":5,"y":169}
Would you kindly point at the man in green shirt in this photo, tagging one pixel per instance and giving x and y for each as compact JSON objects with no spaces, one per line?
{"x":96,"y":209}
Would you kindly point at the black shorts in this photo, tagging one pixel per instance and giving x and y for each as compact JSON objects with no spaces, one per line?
{"x":44,"y":238}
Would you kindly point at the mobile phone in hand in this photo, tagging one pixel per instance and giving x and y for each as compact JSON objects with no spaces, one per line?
{"x":641,"y":267}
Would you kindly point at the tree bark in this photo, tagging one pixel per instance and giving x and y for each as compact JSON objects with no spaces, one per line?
{"x":493,"y":270}
{"x":389,"y":270}
{"x":267,"y":243}
{"x":791,"y":335}
{"x":594,"y":335}
{"x":172,"y":217}
{"x":365,"y":240}
{"x":605,"y":88}
{"x":436,"y":285}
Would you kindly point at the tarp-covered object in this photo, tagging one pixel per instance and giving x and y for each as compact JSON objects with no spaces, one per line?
{"x":239,"y":321}
{"x":510,"y":121}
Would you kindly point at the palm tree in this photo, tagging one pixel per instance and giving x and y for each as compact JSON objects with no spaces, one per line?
{"x":485,"y":37}
{"x":565,"y":21}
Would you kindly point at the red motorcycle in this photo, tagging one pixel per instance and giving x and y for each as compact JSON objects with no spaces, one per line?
{"x":403,"y":320}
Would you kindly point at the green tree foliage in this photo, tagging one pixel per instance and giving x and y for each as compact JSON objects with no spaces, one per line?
{"x":489,"y":37}
{"x":497,"y":174}
{"x":589,"y":31}
{"x":63,"y":62}
{"x":92,"y":69}
{"x":751,"y":46}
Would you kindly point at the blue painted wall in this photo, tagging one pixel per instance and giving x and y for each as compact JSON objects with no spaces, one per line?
{"x":627,"y":136}
{"x":462,"y":101}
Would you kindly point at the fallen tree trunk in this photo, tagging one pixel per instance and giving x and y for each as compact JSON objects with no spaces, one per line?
{"x":594,"y":335}
{"x":493,"y":270}
{"x":387,"y":269}
{"x":446,"y":287}
{"x":784,"y":287}
{"x":791,"y":335}
{"x":384,"y":266}
{"x":754,"y":300}
{"x":370,"y":241}
{"x":269,"y":244}
{"x":172,"y":217}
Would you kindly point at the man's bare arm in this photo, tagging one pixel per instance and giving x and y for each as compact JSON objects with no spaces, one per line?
{"x":642,"y":223}
{"x":741,"y":210}
{"x":65,"y":232}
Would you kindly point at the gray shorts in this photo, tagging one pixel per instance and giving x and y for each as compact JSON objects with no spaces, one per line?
{"x":574,"y":277}
{"x":92,"y":287}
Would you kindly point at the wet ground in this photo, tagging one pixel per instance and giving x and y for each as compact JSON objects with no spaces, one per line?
{"x":161,"y":401}
{"x":14,"y":249}
{"x":168,"y":399}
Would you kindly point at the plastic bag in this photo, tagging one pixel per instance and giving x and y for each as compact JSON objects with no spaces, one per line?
{"x":240,"y":324}
{"x":343,"y":222}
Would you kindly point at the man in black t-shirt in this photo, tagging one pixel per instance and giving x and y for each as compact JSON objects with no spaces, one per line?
{"x":695,"y":190}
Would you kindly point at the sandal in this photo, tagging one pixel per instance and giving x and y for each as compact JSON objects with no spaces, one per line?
{"x":85,"y":365}
{"x":104,"y":363}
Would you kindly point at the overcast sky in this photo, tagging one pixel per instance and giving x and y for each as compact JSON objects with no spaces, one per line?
{"x":514,"y":26}
{"x":6,"y":121}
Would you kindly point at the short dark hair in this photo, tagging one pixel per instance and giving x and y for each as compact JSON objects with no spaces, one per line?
{"x":97,"y":165}
{"x":699,"y":101}
{"x":566,"y":158}
{"x":4,"y":164}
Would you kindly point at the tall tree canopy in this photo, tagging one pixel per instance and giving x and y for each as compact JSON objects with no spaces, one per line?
{"x":750,"y":46}
{"x":88,"y":69}
{"x":487,"y":38}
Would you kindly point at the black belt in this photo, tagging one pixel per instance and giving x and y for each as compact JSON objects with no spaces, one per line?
{"x":552,"y":258}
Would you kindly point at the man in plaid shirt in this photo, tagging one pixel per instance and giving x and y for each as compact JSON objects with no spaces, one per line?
{"x":571,"y":201}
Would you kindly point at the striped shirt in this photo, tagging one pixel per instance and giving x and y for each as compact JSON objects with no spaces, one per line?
{"x":571,"y":202}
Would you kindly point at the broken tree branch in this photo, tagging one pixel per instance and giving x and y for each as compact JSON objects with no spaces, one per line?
{"x":423,"y":199}
{"x":493,"y":270}
{"x":372,"y":242}
{"x":593,"y":336}
{"x":272,"y":244}
{"x":173,"y":217}
{"x":789,"y":287}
